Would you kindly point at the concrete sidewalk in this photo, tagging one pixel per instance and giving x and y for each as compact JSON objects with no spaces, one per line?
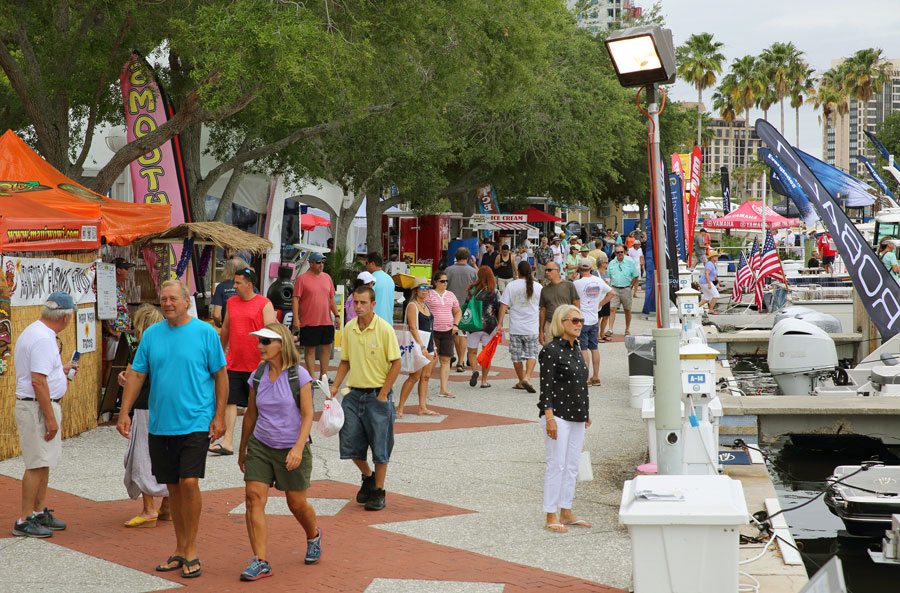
{"x":463,"y":507}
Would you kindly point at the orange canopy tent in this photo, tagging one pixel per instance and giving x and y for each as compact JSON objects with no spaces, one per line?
{"x":24,"y":173}
{"x":26,"y":225}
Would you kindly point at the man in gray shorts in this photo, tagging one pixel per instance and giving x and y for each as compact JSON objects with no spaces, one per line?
{"x":623,"y":276}
{"x":40,"y":384}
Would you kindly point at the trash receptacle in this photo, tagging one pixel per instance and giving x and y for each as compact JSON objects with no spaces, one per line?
{"x":684,"y":532}
{"x":640,"y":355}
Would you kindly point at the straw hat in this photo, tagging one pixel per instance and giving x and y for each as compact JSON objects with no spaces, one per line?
{"x":420,"y":281}
{"x":712,"y":253}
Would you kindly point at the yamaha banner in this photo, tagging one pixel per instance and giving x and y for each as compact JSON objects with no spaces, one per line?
{"x":874,"y":174}
{"x":676,"y":193}
{"x":874,"y":284}
{"x":787,"y":186}
{"x":726,"y":189}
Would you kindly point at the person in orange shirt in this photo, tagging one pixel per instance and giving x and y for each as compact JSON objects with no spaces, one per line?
{"x":629,"y":241}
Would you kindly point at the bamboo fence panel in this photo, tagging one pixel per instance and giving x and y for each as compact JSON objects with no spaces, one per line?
{"x":79,"y":406}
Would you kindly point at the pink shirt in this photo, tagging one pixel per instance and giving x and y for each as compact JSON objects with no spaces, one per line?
{"x":315,"y":296}
{"x":442,"y":308}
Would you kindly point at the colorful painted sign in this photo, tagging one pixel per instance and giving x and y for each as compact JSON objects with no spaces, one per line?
{"x":487,"y":200}
{"x":32,"y":280}
{"x":5,"y":327}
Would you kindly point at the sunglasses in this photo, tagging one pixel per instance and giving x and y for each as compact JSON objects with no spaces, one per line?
{"x":551,"y":270}
{"x":442,"y":282}
{"x":267,"y":341}
{"x":424,"y":288}
{"x":620,"y":253}
{"x":576,"y":320}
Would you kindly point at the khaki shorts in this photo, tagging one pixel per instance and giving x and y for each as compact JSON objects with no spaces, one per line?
{"x":623,"y":297}
{"x":36,"y":452}
{"x":268,"y":465}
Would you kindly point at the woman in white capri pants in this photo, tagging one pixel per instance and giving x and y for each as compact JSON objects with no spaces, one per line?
{"x":565,"y":414}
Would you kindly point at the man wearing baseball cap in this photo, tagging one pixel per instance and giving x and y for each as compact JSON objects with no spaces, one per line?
{"x":314,"y":305}
{"x":40,"y":385}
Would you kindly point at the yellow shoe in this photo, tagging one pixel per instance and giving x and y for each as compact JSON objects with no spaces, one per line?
{"x":139,"y":521}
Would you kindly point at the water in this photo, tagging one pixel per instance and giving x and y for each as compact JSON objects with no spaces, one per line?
{"x":798,"y":470}
{"x":752,"y":374}
{"x":798,"y":467}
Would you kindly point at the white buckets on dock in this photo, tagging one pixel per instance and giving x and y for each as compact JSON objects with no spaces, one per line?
{"x":641,"y":387}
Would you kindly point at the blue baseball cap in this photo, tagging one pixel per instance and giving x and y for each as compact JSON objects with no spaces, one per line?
{"x":316,"y":256}
{"x":62,"y":300}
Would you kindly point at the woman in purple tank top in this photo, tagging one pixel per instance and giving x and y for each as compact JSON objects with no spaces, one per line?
{"x":274,"y":448}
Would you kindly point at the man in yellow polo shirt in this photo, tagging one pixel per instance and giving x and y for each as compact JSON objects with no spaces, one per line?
{"x":370,"y":355}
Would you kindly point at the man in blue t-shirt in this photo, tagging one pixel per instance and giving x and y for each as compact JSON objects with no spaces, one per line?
{"x":384,"y":287}
{"x":188,"y":393}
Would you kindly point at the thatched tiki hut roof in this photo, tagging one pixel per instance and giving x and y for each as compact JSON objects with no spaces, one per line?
{"x":214,"y":233}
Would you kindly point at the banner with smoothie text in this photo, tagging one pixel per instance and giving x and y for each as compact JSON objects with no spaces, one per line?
{"x":154,"y":176}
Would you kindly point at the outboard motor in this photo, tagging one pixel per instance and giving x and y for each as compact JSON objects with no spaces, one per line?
{"x":800,"y":353}
{"x":829,"y":323}
{"x":281,"y":291}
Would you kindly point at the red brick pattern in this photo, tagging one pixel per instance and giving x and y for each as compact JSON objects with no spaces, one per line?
{"x":354,"y":552}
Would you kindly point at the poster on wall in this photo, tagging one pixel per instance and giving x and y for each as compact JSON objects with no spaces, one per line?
{"x":86,"y":327}
{"x":5,"y":327}
{"x":32,"y":280}
{"x":106,"y":291}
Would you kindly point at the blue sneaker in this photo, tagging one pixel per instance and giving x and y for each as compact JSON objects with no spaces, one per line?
{"x":30,"y":528}
{"x":314,"y":549}
{"x":256,"y":569}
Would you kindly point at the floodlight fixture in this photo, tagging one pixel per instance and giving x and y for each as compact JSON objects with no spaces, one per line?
{"x":642,"y":55}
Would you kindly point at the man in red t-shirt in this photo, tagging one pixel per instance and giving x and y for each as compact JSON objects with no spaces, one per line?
{"x":313,"y":306}
{"x":245,"y":312}
{"x":827,"y":251}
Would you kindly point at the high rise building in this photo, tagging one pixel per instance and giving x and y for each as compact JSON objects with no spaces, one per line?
{"x":727,"y":148}
{"x":598,"y":15}
{"x":844,"y":137}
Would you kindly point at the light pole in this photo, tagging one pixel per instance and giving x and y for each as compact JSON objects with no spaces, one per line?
{"x":645,"y":56}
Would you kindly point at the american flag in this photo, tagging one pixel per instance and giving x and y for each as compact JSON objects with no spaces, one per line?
{"x":743,"y":278}
{"x":770,"y":265}
{"x":755,"y":263}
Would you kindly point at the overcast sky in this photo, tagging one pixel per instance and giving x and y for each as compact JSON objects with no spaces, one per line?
{"x":823,"y":29}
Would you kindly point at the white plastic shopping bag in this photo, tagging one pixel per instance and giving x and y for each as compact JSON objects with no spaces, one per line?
{"x":411,"y":357}
{"x":332,"y":418}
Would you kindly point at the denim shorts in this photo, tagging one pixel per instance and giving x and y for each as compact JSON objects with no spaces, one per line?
{"x":368,"y":422}
{"x":587,"y":339}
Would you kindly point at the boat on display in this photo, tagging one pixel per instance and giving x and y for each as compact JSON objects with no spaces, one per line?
{"x":864,"y":497}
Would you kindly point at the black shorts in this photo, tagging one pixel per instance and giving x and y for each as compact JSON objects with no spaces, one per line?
{"x":173,"y":457}
{"x":827,"y":260}
{"x":238,"y":388}
{"x":316,"y":335}
{"x":604,"y":311}
{"x":444,"y":343}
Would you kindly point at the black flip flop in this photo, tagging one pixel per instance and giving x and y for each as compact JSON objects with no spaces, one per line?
{"x":485,"y":385}
{"x":527,"y":387}
{"x":218,"y":449}
{"x":179,"y":559}
{"x":188,"y":564}
{"x":474,"y":380}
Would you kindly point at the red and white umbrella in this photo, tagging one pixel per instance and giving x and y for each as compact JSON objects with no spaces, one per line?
{"x":310,"y":221}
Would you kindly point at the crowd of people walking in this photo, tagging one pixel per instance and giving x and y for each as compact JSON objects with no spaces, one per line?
{"x":186,"y":381}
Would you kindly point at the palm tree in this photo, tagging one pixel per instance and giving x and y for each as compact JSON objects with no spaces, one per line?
{"x":802,"y":86}
{"x":831,"y":98}
{"x":746,"y":88}
{"x":864,"y":75}
{"x":766,"y":99}
{"x":699,"y":62}
{"x":779,"y":59}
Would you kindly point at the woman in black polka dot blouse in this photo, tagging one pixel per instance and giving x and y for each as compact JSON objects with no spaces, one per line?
{"x":565,"y":414}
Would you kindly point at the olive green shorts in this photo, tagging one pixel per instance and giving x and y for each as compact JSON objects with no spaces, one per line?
{"x":268,"y":465}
